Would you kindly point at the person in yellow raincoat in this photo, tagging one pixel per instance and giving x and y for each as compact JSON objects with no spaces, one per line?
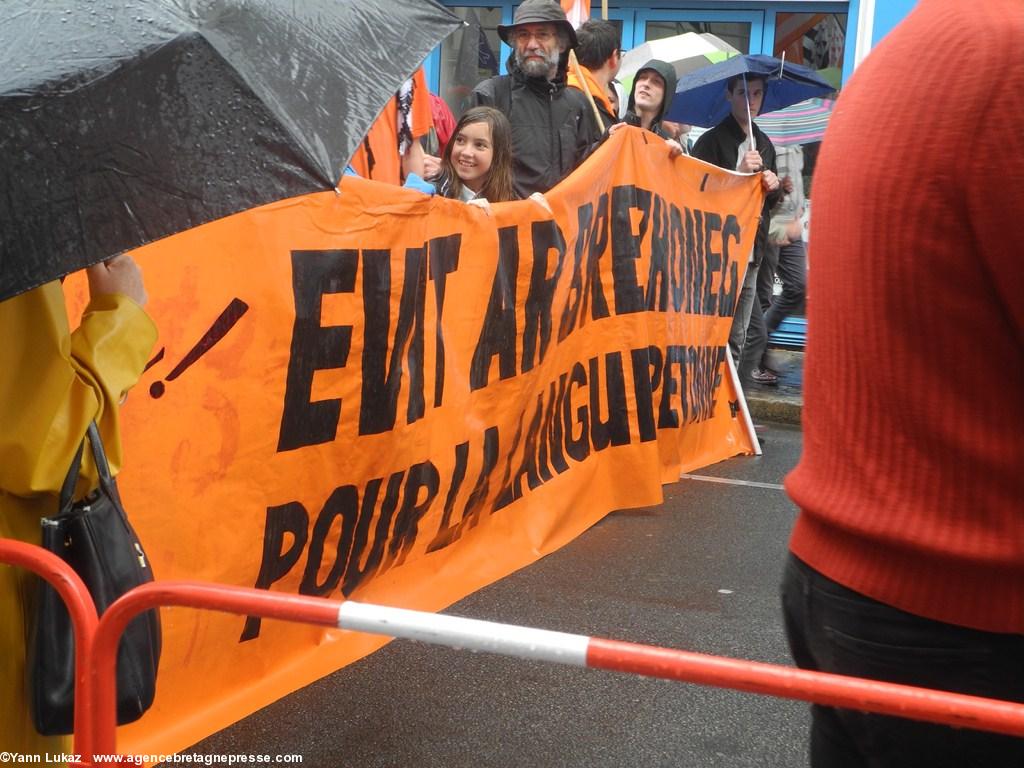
{"x":52,"y":384}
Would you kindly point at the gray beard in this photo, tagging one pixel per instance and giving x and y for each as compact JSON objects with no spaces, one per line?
{"x":535,"y":68}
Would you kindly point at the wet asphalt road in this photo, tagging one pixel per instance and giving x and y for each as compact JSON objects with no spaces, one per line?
{"x":699,"y":572}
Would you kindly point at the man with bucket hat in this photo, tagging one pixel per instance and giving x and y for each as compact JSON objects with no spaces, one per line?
{"x":552,"y":130}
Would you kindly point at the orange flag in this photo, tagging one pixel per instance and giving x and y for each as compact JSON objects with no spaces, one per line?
{"x":577,"y":11}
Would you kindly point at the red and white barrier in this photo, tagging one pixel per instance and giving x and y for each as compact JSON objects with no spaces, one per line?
{"x":470,"y":634}
{"x":754,"y":677}
{"x":96,"y":652}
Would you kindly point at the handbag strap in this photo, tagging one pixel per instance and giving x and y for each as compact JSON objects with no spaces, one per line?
{"x":100,"y":455}
{"x":67,"y":490}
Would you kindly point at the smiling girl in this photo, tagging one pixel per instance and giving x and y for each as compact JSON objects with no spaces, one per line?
{"x":477,"y":162}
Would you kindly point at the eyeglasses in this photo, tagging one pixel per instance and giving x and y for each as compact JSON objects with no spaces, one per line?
{"x":542,"y":36}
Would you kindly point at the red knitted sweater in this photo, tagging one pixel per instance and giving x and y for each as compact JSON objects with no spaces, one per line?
{"x":911,"y":484}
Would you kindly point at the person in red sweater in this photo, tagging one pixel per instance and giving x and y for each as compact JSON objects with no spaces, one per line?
{"x":907,"y":558}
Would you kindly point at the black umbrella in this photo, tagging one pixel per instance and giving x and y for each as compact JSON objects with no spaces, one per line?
{"x":122,"y":121}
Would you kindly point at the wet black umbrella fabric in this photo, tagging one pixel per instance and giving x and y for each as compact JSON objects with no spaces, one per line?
{"x":128,"y":120}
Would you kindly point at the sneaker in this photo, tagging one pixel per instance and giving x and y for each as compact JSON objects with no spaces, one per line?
{"x":765,"y":377}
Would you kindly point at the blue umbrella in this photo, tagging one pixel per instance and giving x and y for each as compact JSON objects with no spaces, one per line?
{"x":700,"y":95}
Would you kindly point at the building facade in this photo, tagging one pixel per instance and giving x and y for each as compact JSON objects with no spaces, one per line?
{"x":829,"y":35}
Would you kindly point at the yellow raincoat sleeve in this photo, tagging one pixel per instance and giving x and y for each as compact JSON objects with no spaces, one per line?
{"x":53,"y":383}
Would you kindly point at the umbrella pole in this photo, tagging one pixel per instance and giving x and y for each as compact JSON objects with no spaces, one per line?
{"x":750,"y":123}
{"x":604,"y":9}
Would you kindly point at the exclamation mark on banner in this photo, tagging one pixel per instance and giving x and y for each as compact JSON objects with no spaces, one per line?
{"x":217,"y":331}
{"x":155,"y":360}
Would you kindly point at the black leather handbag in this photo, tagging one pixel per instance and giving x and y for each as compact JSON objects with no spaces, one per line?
{"x":95,"y":538}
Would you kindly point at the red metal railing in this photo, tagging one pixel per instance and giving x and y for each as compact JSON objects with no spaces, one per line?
{"x":241,"y":600}
{"x":96,"y":653}
{"x":83,"y":621}
{"x":833,"y":690}
{"x":934,"y":706}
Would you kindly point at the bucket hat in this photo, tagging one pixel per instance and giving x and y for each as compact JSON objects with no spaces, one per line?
{"x":538,"y":12}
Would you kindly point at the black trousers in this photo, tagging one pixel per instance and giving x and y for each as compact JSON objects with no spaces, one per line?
{"x":834,"y":629}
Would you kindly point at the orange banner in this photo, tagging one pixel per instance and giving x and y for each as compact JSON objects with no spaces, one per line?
{"x":396,"y":398}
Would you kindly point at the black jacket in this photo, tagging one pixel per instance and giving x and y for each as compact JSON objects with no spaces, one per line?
{"x":552,"y":125}
{"x":720,"y":146}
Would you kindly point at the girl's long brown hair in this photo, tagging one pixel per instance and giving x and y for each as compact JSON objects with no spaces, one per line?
{"x":497,"y":187}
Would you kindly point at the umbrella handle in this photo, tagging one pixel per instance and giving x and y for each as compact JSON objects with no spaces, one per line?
{"x":750,"y":122}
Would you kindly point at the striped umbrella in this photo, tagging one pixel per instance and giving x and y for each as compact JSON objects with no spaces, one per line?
{"x":802,"y":123}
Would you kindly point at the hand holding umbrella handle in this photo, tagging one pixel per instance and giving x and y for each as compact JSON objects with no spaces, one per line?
{"x":752,"y":162}
{"x":117,"y":275}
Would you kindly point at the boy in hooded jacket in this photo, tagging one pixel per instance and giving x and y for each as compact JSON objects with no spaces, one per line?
{"x":650,"y":97}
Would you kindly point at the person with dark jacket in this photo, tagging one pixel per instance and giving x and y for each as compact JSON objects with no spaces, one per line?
{"x":552,"y":125}
{"x":599,"y":53}
{"x":654,"y":85}
{"x":727,"y":145}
